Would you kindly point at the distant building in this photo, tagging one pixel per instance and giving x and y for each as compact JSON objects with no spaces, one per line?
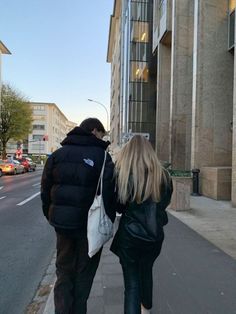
{"x":70,"y":125}
{"x":49,"y":128}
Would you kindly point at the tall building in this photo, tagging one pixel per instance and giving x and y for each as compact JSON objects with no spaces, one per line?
{"x":176,"y":58}
{"x":133,"y":88}
{"x":49,"y":128}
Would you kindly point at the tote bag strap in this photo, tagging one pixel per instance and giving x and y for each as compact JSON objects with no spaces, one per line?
{"x":101,"y":175}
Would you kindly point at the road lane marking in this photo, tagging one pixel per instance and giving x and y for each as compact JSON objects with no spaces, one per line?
{"x":28,"y":199}
{"x":36,"y":184}
{"x":2,"y":197}
{"x":1,"y":187}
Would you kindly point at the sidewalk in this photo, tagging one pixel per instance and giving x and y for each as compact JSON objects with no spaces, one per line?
{"x":214,"y":220}
{"x":195,"y":276}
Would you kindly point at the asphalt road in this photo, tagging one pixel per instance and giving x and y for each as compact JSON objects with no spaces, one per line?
{"x":27,"y":242}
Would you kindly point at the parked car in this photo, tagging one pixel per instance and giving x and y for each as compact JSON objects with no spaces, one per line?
{"x":28,"y":163}
{"x":11,"y":167}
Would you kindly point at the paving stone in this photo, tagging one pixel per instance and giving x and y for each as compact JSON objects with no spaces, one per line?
{"x":110,"y":258}
{"x":97,"y":289}
{"x":110,"y":281}
{"x":114,"y":309}
{"x":96,"y":305}
{"x":113,"y":296}
{"x":112,"y":269}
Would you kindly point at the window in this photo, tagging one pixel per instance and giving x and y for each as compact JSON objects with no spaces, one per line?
{"x":162,"y":7}
{"x":145,"y":1}
{"x":232,"y":5}
{"x":38,"y":107}
{"x":140,"y":32}
{"x":38,"y":127}
{"x":139,"y":91}
{"x":139,"y":71}
{"x":37,"y":137}
{"x":139,"y":11}
{"x":139,"y":51}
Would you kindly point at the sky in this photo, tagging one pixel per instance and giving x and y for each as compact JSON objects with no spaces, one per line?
{"x":59,"y":51}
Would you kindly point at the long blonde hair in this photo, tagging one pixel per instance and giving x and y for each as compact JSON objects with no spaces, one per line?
{"x":138,"y":171}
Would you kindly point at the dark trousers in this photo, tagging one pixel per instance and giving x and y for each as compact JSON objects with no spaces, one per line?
{"x":138,"y":286}
{"x":137,"y":264}
{"x":75,"y":273}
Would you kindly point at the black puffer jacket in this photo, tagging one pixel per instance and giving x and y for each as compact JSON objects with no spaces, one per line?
{"x":70,"y":179}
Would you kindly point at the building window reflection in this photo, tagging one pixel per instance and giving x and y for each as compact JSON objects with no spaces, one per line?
{"x":139,"y":71}
{"x":232,"y":5}
{"x":162,"y":7}
{"x":139,"y":11}
{"x":140,"y":32}
{"x":139,"y":51}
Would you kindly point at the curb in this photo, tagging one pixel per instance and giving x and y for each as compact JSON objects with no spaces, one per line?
{"x":45,"y":288}
{"x":49,"y":307}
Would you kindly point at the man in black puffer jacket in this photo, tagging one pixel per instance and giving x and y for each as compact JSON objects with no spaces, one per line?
{"x":68,"y":187}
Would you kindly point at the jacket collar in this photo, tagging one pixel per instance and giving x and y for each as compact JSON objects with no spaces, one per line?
{"x":79,"y":137}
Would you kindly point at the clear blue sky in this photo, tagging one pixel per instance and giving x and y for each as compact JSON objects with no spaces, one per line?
{"x":59,"y":51}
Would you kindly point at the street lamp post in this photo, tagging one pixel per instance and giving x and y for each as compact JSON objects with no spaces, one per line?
{"x":97,"y":102}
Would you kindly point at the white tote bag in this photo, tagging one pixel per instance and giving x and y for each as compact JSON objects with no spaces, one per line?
{"x":100,"y":227}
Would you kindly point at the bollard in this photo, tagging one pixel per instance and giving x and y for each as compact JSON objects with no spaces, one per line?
{"x":195,"y":173}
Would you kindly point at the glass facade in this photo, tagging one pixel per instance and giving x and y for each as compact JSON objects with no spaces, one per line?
{"x":141,"y":101}
{"x":125,"y":51}
{"x":138,"y":89}
{"x":232,"y":5}
{"x":162,"y":7}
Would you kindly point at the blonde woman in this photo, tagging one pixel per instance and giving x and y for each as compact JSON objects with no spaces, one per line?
{"x":143,"y":191}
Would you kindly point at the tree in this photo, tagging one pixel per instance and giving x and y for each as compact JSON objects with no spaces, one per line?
{"x":16,"y":117}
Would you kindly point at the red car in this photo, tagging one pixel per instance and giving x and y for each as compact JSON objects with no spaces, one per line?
{"x":28,"y":163}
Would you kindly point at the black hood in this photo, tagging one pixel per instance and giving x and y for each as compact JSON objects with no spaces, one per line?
{"x":78,"y":136}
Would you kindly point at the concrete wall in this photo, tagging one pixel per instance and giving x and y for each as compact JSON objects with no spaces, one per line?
{"x":163,"y":102}
{"x":216,"y":182}
{"x":212,"y":86}
{"x":233,"y":190}
{"x":181,"y":83}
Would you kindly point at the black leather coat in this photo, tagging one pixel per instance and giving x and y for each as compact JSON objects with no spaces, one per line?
{"x":151,"y":216}
{"x":70,"y":179}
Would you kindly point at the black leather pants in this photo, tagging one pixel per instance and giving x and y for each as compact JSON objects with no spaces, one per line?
{"x":138,"y":285}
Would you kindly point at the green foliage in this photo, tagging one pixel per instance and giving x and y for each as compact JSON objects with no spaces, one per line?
{"x":15,"y":116}
{"x":180,"y":173}
{"x":175,"y":172}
